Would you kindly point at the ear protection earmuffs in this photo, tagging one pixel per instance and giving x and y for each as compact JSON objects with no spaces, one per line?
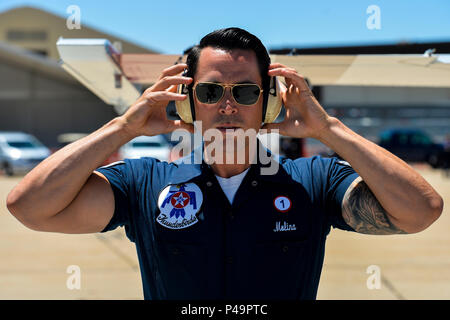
{"x":272,"y":102}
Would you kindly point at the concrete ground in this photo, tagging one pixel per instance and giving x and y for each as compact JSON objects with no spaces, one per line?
{"x":37,"y":265}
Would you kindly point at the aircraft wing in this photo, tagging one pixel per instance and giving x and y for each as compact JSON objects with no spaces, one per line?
{"x":96,"y":64}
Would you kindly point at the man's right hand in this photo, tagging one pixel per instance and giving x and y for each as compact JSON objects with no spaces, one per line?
{"x":147,"y":116}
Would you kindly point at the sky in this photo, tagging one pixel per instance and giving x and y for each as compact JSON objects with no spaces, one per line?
{"x":172,"y":26}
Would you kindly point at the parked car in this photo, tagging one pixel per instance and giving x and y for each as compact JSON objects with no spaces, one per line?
{"x":145,"y":146}
{"x":20,"y":152}
{"x":411,"y":145}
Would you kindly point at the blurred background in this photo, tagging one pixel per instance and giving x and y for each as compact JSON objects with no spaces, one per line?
{"x":381,"y":67}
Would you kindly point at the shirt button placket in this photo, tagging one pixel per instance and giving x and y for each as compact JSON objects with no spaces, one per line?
{"x":229,"y":252}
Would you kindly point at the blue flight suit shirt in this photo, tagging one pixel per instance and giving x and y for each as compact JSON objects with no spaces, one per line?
{"x":245,"y":250}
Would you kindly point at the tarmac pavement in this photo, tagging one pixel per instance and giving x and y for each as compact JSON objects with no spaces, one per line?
{"x":34,"y":265}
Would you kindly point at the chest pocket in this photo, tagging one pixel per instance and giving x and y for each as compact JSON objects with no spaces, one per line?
{"x":280,"y":213}
{"x":285,"y":224}
{"x":182,"y":268}
{"x":283,"y":269}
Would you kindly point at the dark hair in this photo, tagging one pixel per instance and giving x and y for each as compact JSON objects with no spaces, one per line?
{"x":229,"y":39}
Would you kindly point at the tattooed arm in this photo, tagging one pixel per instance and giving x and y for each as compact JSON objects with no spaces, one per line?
{"x":362,"y":211}
{"x":392,"y":198}
{"x":408,"y":199}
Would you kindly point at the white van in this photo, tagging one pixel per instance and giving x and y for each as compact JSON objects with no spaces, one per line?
{"x":20,"y":152}
{"x":145,"y":146}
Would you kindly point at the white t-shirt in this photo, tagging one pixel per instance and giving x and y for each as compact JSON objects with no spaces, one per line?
{"x":230,"y":185}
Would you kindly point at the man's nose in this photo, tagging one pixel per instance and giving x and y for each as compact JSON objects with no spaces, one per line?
{"x":228,"y":105}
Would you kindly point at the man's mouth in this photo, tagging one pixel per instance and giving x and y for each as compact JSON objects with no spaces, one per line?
{"x":225,"y":128}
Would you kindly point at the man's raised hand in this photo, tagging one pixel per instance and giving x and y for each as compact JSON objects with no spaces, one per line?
{"x":305,"y":117}
{"x":147,"y":116}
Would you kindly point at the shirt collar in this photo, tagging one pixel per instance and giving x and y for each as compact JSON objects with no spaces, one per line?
{"x":188,"y":167}
{"x":193,"y":165}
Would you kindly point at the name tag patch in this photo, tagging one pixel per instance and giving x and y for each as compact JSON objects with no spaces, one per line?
{"x":179,"y":205}
{"x":284,"y":227}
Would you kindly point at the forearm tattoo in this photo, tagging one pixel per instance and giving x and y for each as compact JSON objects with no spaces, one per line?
{"x":362,"y":211}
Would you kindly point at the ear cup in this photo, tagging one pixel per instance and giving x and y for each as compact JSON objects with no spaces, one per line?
{"x":184,"y":107}
{"x":274,"y":101}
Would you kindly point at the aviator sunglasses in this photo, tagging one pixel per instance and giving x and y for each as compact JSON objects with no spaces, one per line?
{"x":246,"y":94}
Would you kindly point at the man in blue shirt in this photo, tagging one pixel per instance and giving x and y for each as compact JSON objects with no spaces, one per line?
{"x":211,"y":229}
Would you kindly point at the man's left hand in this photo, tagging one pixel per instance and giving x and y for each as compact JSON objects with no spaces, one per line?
{"x":305,"y":117}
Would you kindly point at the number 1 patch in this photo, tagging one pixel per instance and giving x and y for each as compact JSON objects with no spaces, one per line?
{"x":282,"y":203}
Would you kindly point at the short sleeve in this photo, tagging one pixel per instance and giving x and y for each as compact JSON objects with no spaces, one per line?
{"x":118,"y":175}
{"x":340,"y":176}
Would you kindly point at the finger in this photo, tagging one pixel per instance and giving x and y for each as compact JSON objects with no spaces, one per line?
{"x":172,"y":88}
{"x":283,"y":86}
{"x":280,"y":66}
{"x":168,"y":81}
{"x":173,"y":70}
{"x":297,"y":79}
{"x":276,"y":65}
{"x":155,"y":97}
{"x":289,"y":70}
{"x":289,"y":84}
{"x":288,"y":88}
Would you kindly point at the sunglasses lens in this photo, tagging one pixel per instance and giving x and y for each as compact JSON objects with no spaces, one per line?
{"x":208,"y":92}
{"x":246,"y":94}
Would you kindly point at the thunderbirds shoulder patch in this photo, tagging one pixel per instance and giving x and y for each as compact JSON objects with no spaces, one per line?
{"x":179,"y":205}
